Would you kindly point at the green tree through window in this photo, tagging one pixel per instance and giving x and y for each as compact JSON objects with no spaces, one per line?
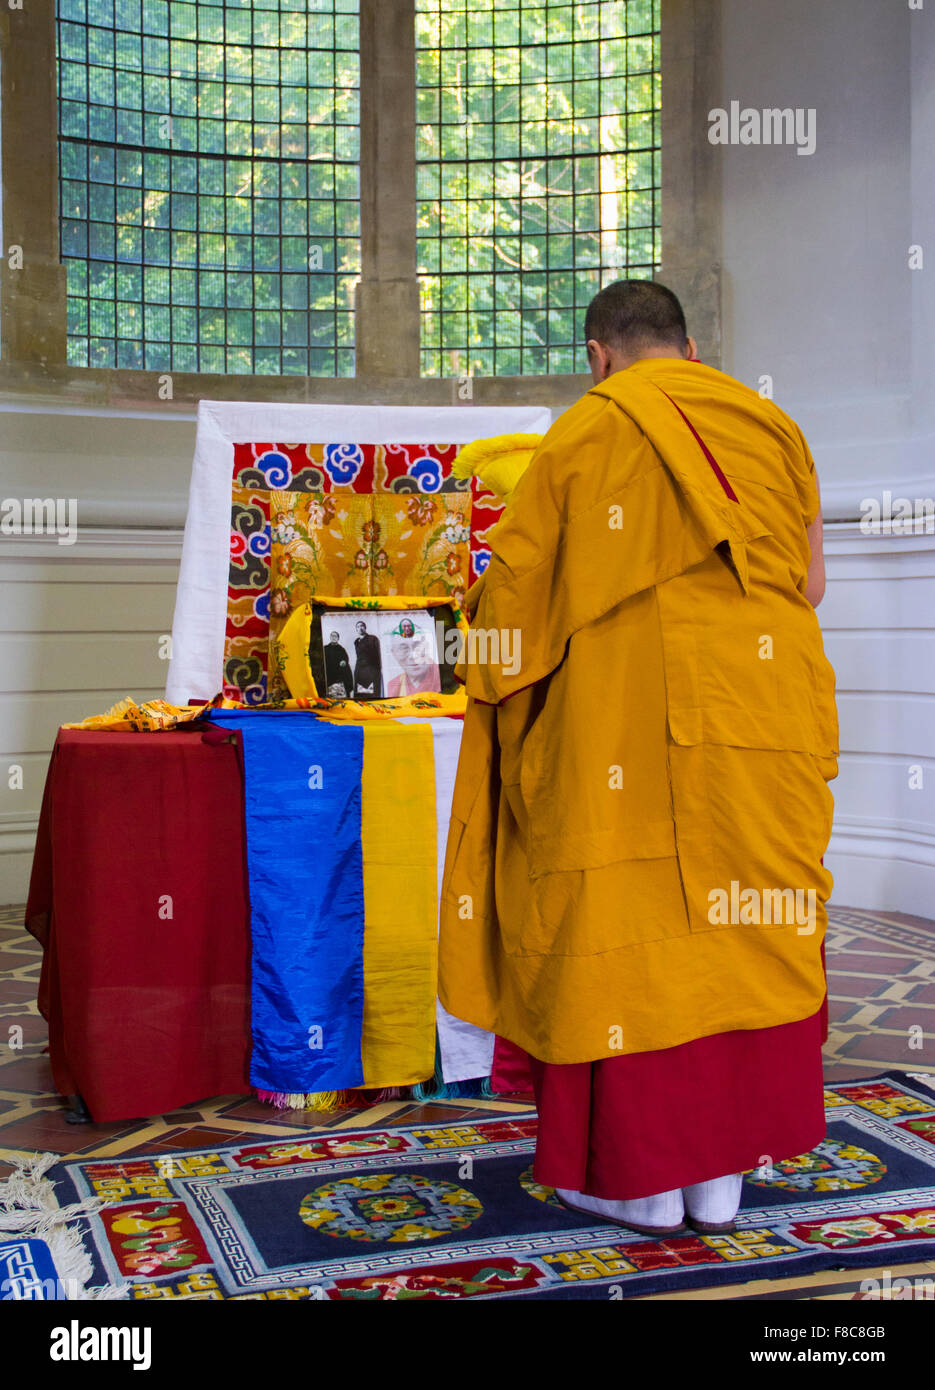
{"x":209,"y":183}
{"x":209,"y":173}
{"x":538,"y":174}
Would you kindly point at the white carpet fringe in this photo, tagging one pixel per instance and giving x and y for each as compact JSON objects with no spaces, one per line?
{"x":28,"y":1208}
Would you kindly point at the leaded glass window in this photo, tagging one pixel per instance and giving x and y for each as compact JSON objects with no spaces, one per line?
{"x":538,"y":135}
{"x":209,"y":182}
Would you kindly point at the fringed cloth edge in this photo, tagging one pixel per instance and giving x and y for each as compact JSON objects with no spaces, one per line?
{"x":330,"y":1102}
{"x":435,"y":1088}
{"x":29,"y":1211}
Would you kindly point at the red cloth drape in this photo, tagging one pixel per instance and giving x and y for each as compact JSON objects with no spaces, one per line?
{"x":147,"y":1011}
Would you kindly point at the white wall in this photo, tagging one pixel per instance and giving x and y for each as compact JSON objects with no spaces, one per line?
{"x":127,"y":469}
{"x":79,"y":624}
{"x":80,"y":629}
{"x":818,"y":294}
{"x":878,"y":620}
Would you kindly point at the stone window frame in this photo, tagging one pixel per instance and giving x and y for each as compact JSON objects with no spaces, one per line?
{"x":33,"y":359}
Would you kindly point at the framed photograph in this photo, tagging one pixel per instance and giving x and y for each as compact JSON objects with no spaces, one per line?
{"x":381,"y":652}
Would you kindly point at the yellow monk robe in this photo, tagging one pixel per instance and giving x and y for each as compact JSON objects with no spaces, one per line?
{"x":663,"y":747}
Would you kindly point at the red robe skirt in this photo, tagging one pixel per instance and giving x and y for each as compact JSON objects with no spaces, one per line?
{"x":649,"y":1122}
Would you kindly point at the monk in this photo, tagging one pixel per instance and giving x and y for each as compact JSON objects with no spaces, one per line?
{"x":413,"y":653}
{"x":339,"y":679}
{"x":368,"y":664}
{"x":633,"y":888}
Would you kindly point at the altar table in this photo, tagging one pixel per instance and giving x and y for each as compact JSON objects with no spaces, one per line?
{"x":139,"y":901}
{"x":139,"y":897}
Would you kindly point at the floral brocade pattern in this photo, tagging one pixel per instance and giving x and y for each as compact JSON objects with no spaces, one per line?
{"x":354,"y":519}
{"x":362,"y":544}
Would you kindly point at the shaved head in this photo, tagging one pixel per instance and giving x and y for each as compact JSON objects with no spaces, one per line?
{"x":633,"y":316}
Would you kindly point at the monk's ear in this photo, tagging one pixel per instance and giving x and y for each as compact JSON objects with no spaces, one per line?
{"x":692,"y":353}
{"x":598,"y":360}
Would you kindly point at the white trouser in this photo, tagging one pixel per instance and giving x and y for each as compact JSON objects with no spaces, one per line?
{"x":716,"y":1201}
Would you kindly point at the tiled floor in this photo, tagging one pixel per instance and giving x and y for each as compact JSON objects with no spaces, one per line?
{"x":881,"y":983}
{"x":881,"y":973}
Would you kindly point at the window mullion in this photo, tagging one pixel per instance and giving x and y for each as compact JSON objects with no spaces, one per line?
{"x":34,"y":313}
{"x":387,"y":328}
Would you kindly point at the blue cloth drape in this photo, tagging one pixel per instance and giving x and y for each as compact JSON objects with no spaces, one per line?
{"x":302,"y":803}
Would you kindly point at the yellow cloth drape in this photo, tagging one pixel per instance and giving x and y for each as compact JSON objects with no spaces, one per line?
{"x":400,"y":904}
{"x":499,"y":462}
{"x":151,"y":716}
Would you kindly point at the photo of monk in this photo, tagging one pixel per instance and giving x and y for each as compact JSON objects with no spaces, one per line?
{"x":412,"y":648}
{"x":339,"y":678}
{"x":368,"y":664}
{"x":381,"y":653}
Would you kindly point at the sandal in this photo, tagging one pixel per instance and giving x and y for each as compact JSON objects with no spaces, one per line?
{"x":627,"y":1225}
{"x":712,"y":1228}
